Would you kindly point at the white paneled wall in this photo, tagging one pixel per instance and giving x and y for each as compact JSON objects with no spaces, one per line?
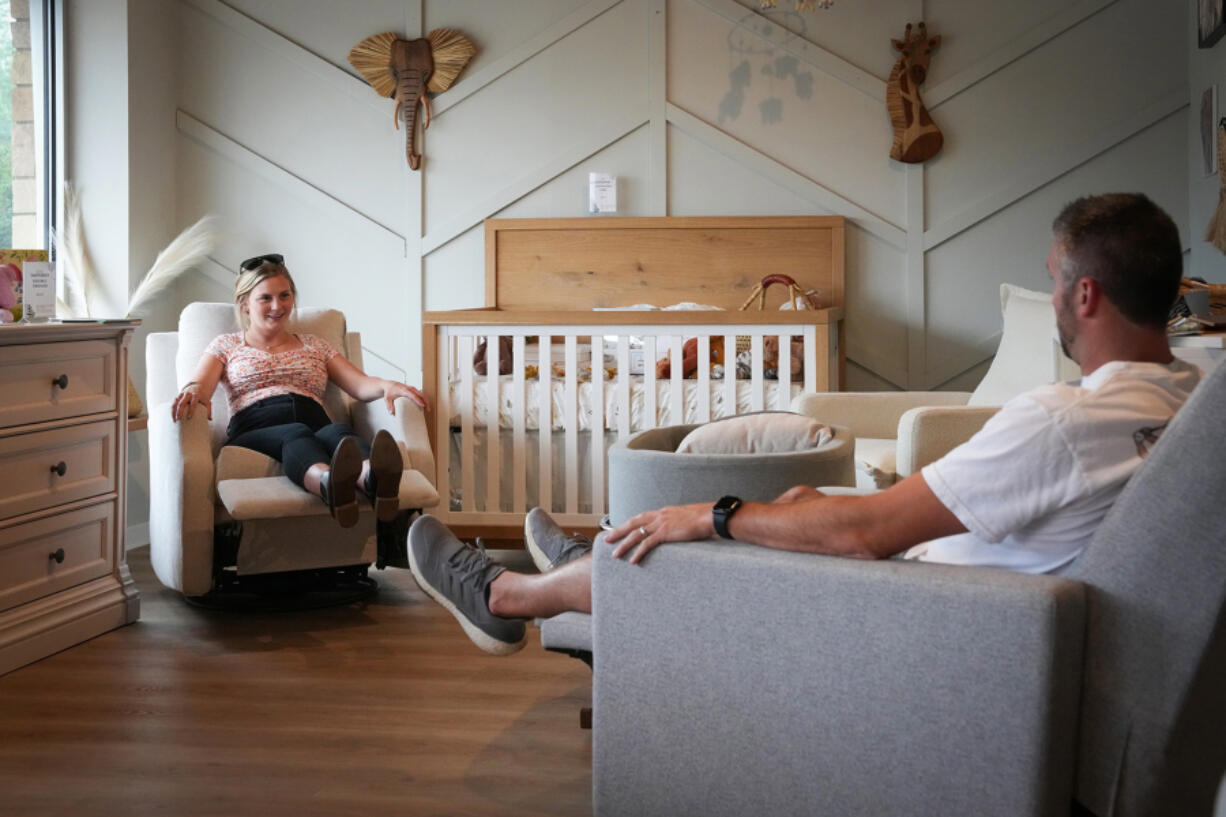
{"x":1206,"y":69}
{"x":700,"y":107}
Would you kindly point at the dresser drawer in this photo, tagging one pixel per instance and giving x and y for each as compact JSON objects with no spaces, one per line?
{"x":30,"y":466}
{"x":50,"y":381}
{"x":28,"y":565}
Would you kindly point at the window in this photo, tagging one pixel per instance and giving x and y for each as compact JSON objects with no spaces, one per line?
{"x":27,"y":83}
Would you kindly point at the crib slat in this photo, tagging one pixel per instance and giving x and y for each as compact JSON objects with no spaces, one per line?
{"x":704,"y":378}
{"x":650,"y":418}
{"x":571,"y":423}
{"x":519,"y":409}
{"x":493,"y":424}
{"x":676,"y":389}
{"x":596,"y":425}
{"x":544,"y":425}
{"x":783,"y":387}
{"x":729,"y":376}
{"x":757,"y":383}
{"x":811,"y":358}
{"x":624,"y":380}
{"x":467,"y":500}
{"x":442,"y":422}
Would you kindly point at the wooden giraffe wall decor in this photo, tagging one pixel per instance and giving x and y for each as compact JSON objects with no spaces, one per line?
{"x":916,"y":137}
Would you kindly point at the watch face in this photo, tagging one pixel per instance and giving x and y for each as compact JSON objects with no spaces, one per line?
{"x":728,"y":503}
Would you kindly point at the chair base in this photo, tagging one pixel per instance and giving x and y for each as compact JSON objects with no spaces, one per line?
{"x":290,"y":591}
{"x":393,"y":540}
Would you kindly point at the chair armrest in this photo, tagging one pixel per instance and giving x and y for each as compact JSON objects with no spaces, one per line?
{"x":929,"y":433}
{"x":734,"y":680}
{"x":181,"y":501}
{"x":872,"y":414}
{"x":408,"y":426}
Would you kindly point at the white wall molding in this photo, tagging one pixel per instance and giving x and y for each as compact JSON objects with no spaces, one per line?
{"x":916,"y":280}
{"x":218,"y":273}
{"x":808,"y":52}
{"x":224,"y":146}
{"x":785,"y":177}
{"x":469,"y":84}
{"x":963,"y":360}
{"x":595,"y":139}
{"x":657,"y":104}
{"x":1054,"y":163}
{"x":878,"y":364}
{"x":1014,"y":50}
{"x":287,"y":49}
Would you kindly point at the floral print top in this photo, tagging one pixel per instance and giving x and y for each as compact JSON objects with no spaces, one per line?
{"x":251,"y":374}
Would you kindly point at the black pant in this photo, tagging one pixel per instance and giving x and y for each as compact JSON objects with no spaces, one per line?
{"x":292,"y":429}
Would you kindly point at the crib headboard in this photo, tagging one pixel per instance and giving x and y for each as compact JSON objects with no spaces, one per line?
{"x":580,"y":263}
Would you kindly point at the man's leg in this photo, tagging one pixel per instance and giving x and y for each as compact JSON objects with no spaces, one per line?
{"x":489,"y":601}
{"x":541,"y":595}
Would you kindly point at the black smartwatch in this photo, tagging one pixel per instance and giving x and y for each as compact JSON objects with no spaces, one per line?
{"x":724,"y":508}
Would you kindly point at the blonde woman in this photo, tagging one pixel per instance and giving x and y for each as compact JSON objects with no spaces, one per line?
{"x":275,"y":381}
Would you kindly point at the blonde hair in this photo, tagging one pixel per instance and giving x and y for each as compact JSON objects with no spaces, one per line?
{"x":250,"y":279}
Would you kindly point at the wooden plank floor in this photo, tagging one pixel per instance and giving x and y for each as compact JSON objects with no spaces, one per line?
{"x":371,"y":709}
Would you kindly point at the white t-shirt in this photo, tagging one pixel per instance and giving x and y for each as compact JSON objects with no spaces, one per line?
{"x":1032,"y":486}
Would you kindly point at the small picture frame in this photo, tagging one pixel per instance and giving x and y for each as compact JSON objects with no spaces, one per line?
{"x":1210,"y":22}
{"x":1208,"y":130}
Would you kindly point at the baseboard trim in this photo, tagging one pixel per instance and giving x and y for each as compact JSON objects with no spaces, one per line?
{"x":136,"y":536}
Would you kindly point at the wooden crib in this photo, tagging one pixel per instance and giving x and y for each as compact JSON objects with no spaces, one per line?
{"x":583,"y":369}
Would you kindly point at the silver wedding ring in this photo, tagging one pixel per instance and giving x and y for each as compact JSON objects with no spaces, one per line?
{"x":642,"y":530}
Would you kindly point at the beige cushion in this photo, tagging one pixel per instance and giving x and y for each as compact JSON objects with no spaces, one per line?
{"x":236,"y":462}
{"x":1026,"y":356}
{"x":876,"y":463}
{"x":766,"y":432}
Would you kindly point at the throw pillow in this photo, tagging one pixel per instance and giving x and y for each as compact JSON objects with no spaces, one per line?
{"x":764,"y":432}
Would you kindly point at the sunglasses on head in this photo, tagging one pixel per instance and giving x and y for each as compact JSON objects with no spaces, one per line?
{"x":259,"y":260}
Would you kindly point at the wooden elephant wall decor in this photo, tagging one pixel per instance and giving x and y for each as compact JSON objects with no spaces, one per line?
{"x":408,"y":69}
{"x":916,"y":137}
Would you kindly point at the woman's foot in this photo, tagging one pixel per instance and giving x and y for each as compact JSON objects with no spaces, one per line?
{"x":383,"y":480}
{"x":337,"y":486}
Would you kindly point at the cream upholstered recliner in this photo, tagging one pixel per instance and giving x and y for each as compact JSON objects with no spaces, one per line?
{"x":898,"y":433}
{"x":219,"y":511}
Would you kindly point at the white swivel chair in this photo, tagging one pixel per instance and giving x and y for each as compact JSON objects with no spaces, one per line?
{"x":220,"y":516}
{"x":898,"y":433}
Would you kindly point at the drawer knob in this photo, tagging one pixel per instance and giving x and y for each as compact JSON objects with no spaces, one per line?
{"x":60,"y":468}
{"x":61,"y":381}
{"x":58,"y":556}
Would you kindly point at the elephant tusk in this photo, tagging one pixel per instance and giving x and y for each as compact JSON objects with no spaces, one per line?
{"x":425,"y":104}
{"x":396,"y":115}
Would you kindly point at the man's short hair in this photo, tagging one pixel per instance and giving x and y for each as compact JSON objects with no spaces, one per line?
{"x":1129,"y":246}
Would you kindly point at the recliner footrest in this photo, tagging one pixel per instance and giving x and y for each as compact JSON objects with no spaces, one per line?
{"x":278,"y":498}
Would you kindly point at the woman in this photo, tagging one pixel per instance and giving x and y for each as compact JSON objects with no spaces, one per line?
{"x":275,"y":382}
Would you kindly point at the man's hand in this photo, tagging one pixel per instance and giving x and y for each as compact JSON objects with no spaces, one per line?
{"x":679,"y":523}
{"x":393,"y":390}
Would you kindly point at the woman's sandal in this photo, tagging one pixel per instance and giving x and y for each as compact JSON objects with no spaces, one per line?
{"x":337,"y":486}
{"x":383,"y":480}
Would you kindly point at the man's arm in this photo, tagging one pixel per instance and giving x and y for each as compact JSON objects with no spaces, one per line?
{"x":865,"y":527}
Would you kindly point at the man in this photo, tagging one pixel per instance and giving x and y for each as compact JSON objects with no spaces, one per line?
{"x":1025,"y":493}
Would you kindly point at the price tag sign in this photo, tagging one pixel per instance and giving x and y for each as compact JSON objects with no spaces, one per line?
{"x":38,"y":292}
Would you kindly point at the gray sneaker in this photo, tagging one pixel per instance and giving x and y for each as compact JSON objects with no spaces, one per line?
{"x":456,"y":575}
{"x":549,"y":546}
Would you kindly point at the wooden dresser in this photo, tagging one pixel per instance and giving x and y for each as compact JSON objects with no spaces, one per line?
{"x":63,"y":474}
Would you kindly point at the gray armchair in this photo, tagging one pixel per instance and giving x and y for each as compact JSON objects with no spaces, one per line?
{"x":733,"y":680}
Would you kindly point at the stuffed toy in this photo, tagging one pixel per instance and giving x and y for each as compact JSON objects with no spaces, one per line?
{"x":689,"y":358}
